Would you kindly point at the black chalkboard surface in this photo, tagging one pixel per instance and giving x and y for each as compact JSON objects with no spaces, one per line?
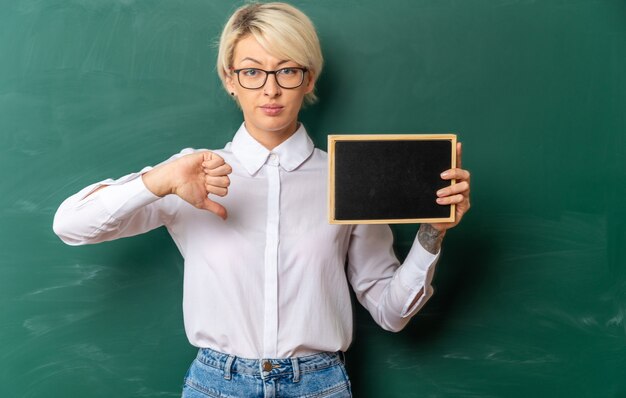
{"x":389,"y":178}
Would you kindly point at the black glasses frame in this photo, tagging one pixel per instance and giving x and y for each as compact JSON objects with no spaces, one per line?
{"x":271,"y":72}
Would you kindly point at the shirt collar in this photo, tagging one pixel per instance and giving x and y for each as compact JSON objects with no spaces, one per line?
{"x":291,"y":153}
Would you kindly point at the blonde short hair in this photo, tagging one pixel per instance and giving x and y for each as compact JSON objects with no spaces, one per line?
{"x":283,"y":30}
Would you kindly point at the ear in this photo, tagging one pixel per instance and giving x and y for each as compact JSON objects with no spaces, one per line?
{"x":310,"y":83}
{"x":230,"y":83}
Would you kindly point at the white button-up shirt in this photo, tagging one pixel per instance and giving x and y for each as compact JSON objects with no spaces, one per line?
{"x":271,"y":281}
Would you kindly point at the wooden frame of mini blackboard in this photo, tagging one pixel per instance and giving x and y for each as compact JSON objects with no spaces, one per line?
{"x":404,"y":142}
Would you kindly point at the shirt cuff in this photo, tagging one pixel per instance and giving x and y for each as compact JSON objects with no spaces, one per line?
{"x":416,"y":275}
{"x":124,"y":196}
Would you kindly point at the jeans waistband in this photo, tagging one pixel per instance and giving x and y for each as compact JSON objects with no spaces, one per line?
{"x":265,"y":368}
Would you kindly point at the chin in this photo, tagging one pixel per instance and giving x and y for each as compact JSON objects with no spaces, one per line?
{"x":275,"y":124}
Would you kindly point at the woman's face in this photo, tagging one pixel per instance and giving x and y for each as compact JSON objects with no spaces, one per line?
{"x":270,"y":112}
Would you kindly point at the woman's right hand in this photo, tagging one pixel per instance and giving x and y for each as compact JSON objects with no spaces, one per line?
{"x":193,"y":178}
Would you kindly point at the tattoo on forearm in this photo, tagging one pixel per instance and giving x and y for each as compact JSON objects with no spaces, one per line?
{"x":430,"y":238}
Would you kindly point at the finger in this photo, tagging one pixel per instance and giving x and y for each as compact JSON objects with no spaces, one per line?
{"x":451,"y":200}
{"x":219,"y":191}
{"x":212,"y":160}
{"x":221,"y":181}
{"x":212,"y":156}
{"x":456,"y":174}
{"x":461,"y":187}
{"x":219,"y":170}
{"x":214,"y":207}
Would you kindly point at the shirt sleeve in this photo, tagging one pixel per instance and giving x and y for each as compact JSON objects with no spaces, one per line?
{"x":125,"y":208}
{"x":386,"y":288}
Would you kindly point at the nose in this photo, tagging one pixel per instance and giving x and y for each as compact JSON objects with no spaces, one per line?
{"x":271,"y":88}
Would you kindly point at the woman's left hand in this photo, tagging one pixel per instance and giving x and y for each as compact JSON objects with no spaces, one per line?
{"x":457,"y":194}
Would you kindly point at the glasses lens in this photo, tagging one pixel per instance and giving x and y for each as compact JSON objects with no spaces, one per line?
{"x":252,"y":78}
{"x":289,"y":77}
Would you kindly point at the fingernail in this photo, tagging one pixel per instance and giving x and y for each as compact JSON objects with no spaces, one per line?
{"x":440,"y":192}
{"x":440,"y":201}
{"x":445,"y":174}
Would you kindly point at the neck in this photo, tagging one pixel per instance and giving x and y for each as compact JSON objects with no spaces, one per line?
{"x":272,"y":139}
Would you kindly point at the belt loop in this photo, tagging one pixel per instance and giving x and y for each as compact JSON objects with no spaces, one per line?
{"x":342,"y":357}
{"x":296,"y":370}
{"x":228,"y":367}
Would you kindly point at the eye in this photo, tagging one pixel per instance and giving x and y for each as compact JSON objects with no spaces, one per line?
{"x":250,"y":72}
{"x":288,"y":71}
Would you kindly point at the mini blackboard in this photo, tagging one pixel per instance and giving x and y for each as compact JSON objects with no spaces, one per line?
{"x":389,"y":179}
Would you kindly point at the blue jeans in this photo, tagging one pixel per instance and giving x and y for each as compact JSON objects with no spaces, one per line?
{"x":213,"y":374}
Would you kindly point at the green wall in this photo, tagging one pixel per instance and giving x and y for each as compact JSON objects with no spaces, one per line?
{"x":531,"y":288}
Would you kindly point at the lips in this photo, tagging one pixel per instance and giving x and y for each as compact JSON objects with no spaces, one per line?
{"x":272,"y":109}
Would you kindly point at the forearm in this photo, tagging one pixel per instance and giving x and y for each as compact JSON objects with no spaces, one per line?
{"x":407,"y":291}
{"x":120,"y":210}
{"x":430,"y":239}
{"x":398,"y":291}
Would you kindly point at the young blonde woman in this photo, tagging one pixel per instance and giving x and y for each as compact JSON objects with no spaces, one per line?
{"x":267,"y":279}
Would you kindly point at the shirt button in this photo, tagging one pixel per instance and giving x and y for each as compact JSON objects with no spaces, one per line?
{"x":267,"y":366}
{"x":273,"y":159}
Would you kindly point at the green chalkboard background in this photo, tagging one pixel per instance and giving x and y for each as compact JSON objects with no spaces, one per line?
{"x":531,"y":288}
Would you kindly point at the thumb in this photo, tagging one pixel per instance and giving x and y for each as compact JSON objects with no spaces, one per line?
{"x":215,"y":208}
{"x":208,"y":156}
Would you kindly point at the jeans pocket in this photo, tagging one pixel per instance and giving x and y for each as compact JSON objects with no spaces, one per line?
{"x":331,"y":382}
{"x":200,"y":381}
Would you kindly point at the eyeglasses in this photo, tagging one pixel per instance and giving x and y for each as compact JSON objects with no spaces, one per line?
{"x":254,"y":78}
